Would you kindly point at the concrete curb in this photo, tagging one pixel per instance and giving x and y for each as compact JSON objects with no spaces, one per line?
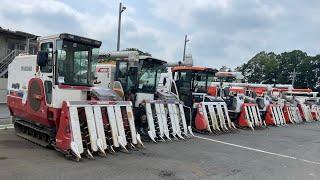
{"x":6,"y":126}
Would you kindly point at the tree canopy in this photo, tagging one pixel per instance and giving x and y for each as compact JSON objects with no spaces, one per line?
{"x":279,"y":68}
{"x":139,"y":51}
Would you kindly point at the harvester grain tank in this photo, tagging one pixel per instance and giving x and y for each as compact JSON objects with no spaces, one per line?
{"x":53,"y":103}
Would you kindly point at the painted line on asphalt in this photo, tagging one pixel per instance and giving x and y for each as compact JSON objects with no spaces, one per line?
{"x":258,"y":150}
{"x":6,"y":126}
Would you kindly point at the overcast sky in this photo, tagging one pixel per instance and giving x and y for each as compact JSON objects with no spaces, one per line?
{"x":221,"y":32}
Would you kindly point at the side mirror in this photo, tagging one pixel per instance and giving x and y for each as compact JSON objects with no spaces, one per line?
{"x":42,"y":58}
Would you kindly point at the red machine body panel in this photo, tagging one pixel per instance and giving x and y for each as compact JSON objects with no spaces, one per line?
{"x":35,"y":108}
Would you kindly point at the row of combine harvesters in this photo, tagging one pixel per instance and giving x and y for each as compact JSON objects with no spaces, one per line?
{"x":61,"y":99}
{"x":221,"y":103}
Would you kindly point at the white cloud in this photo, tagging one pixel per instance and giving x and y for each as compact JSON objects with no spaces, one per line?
{"x":51,"y":17}
{"x":222,"y":32}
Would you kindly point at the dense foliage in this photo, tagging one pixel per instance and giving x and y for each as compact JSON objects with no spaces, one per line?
{"x":139,"y":51}
{"x":279,"y":68}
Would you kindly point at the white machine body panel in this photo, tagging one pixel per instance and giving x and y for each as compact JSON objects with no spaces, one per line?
{"x":105,"y":74}
{"x":21,"y":66}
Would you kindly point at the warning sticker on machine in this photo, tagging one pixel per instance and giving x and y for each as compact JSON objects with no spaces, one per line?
{"x":102,"y":70}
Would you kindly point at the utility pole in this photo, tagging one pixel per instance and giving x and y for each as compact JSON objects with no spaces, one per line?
{"x":121,"y":9}
{"x":27,"y":45}
{"x":293,"y":76}
{"x":184,"y":48}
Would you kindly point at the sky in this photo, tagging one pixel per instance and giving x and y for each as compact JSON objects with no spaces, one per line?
{"x":221,"y":32}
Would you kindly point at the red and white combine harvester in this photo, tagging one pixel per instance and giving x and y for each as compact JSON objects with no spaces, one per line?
{"x":53,"y":103}
{"x":209,"y":113}
{"x":159,"y":114}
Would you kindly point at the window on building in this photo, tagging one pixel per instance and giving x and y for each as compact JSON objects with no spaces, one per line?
{"x":11,"y":45}
{"x":21,"y":47}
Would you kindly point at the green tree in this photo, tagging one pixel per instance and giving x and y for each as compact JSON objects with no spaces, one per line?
{"x":143,"y":53}
{"x":262,"y":68}
{"x":271,"y":68}
{"x":288,"y":61}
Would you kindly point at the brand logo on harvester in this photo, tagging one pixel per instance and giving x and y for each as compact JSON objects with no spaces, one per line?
{"x":103,"y":70}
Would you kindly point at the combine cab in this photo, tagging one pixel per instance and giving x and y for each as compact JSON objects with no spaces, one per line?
{"x":53,"y":103}
{"x":209,"y":113}
{"x":159,"y":114}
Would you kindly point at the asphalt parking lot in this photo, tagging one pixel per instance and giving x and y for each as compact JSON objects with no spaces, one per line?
{"x":290,"y":152}
{"x":4,"y":114}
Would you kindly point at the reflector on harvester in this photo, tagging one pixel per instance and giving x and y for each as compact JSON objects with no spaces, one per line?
{"x":274,"y":115}
{"x":250,"y":116}
{"x":166,"y":120}
{"x":92,"y":133}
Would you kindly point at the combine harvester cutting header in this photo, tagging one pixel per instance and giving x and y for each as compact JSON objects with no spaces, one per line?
{"x":159,"y":114}
{"x":53,"y":103}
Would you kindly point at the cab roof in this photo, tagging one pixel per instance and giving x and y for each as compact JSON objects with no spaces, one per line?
{"x":73,"y":38}
{"x":153,"y":60}
{"x":193,"y":68}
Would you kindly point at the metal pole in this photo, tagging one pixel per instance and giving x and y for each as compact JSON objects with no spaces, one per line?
{"x":119,"y":27}
{"x":293,"y":76}
{"x":184,"y":48}
{"x":27,"y":45}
